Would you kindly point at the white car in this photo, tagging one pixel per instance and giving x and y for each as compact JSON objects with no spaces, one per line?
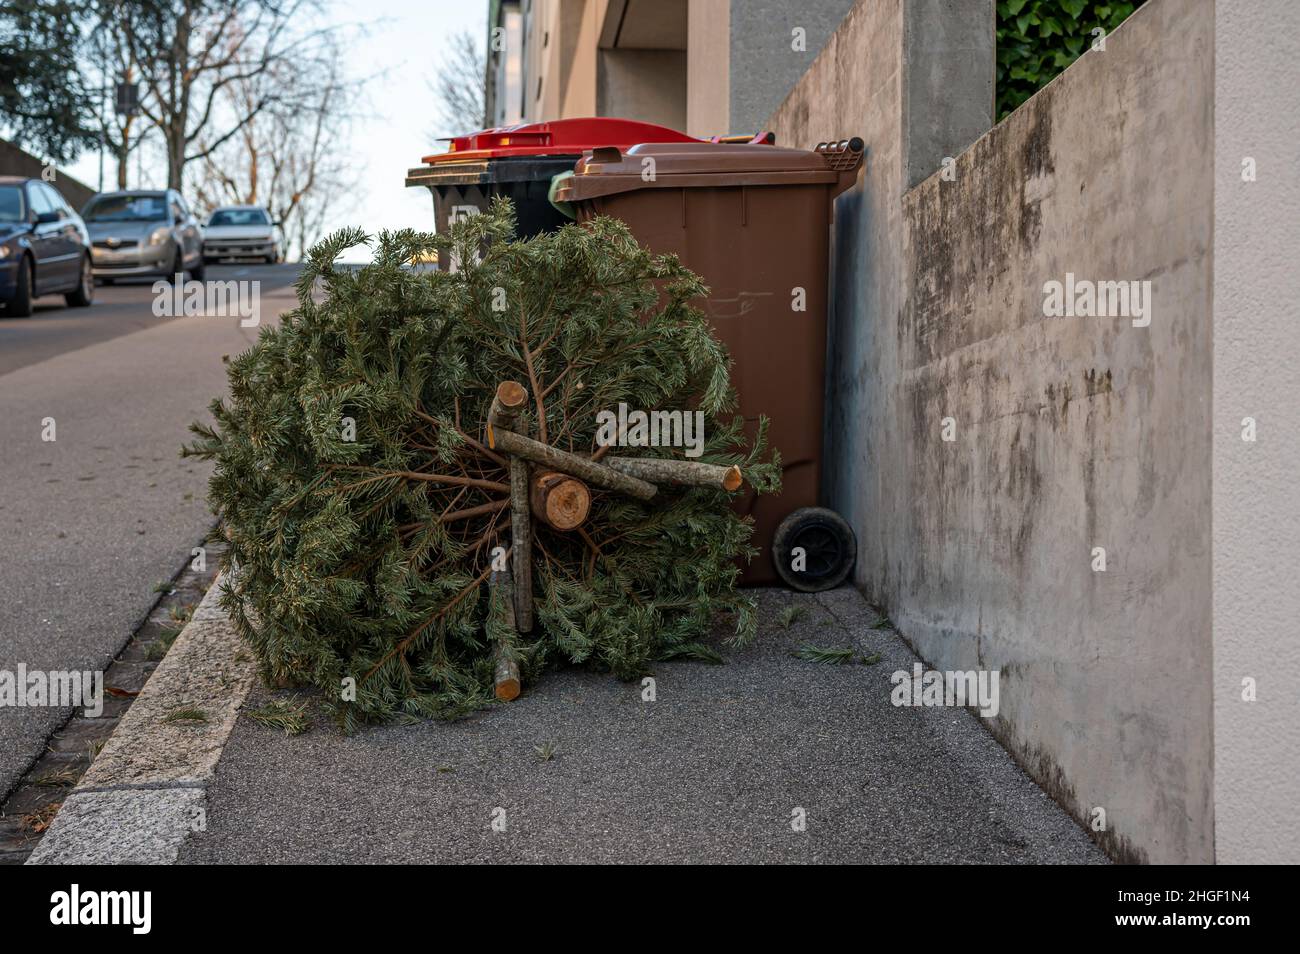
{"x":242,"y":233}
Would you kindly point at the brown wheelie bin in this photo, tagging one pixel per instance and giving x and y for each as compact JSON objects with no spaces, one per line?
{"x":754,"y":222}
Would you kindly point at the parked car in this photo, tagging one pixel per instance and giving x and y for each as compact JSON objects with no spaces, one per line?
{"x":44,"y":247}
{"x":143,"y":233}
{"x":243,"y":232}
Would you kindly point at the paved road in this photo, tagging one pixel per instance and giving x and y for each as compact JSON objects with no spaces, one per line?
{"x":711,"y":771}
{"x":91,"y":521}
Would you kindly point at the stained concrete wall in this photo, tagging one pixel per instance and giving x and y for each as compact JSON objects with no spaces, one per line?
{"x":1256,"y":508}
{"x":1070,"y":433}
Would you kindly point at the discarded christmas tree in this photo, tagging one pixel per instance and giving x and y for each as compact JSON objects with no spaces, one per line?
{"x":411,"y":481}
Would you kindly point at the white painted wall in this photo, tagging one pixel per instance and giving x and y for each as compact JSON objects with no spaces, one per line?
{"x":1257,"y":374}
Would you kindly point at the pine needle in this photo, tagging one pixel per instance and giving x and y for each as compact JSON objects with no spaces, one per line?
{"x":789,"y":615}
{"x":186,"y":714}
{"x":827,"y":657}
{"x":281,"y":714}
{"x":64,"y":778}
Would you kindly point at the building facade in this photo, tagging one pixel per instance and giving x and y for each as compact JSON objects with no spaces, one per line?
{"x":708,"y":67}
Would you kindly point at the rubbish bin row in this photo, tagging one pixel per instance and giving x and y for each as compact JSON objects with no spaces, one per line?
{"x":753,"y":220}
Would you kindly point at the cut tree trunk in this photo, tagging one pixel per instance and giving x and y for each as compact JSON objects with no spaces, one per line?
{"x":687,"y":473}
{"x":521,"y":537}
{"x":558,"y":500}
{"x":507,"y":667}
{"x":581,"y":467}
{"x":510,"y":399}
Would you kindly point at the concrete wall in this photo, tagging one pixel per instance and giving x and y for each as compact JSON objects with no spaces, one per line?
{"x":708,"y":68}
{"x":1070,"y":433}
{"x":773,"y":42}
{"x":648,"y":85}
{"x":1256,"y":508}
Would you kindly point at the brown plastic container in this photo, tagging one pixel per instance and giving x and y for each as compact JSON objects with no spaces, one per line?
{"x":754,"y":222}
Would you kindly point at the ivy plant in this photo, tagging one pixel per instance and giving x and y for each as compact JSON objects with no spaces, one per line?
{"x":1039,"y":38}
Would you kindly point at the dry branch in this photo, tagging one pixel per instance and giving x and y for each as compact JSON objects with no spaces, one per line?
{"x":506,"y":667}
{"x":582,"y":467}
{"x":521,"y":535}
{"x":686,"y":473}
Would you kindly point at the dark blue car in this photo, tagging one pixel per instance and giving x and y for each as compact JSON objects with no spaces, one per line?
{"x":44,"y":247}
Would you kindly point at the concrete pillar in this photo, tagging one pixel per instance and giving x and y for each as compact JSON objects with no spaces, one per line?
{"x":949,"y":62}
{"x":1256,"y":508}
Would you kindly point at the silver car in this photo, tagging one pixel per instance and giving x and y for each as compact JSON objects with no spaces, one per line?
{"x":143,"y":233}
{"x":243,"y":233}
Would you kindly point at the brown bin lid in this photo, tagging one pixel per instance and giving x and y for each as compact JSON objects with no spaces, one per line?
{"x":607,"y":171}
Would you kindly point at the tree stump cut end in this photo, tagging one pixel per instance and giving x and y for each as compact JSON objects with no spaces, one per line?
{"x":512,"y":394}
{"x":507,"y":688}
{"x":563,"y":502}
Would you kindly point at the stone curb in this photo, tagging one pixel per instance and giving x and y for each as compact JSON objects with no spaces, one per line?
{"x":146,"y":790}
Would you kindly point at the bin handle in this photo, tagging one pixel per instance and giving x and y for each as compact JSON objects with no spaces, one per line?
{"x":757,"y":139}
{"x":843,"y":155}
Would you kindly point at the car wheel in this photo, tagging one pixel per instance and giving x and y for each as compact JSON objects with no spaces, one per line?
{"x":20,"y":306}
{"x":814,"y":549}
{"x":84,"y":293}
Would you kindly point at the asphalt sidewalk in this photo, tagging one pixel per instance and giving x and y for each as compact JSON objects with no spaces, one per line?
{"x":91,"y":521}
{"x":720,"y":767}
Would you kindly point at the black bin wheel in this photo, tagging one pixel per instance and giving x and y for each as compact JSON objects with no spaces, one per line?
{"x":814,"y":549}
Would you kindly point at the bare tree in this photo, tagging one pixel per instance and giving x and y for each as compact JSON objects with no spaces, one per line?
{"x":192,"y":51}
{"x":461,"y":86}
{"x":287,"y":156}
{"x":110,"y":53}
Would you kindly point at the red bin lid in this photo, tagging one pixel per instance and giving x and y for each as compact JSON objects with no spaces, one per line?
{"x":559,"y":137}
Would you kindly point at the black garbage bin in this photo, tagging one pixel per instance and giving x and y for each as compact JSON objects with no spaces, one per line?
{"x":519,"y":162}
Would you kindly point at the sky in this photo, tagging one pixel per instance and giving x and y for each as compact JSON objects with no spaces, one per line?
{"x":403,"y":40}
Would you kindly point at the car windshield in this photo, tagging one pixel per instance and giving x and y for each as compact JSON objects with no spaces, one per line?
{"x":127,"y":208}
{"x":239,"y":217}
{"x":12,"y":206}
